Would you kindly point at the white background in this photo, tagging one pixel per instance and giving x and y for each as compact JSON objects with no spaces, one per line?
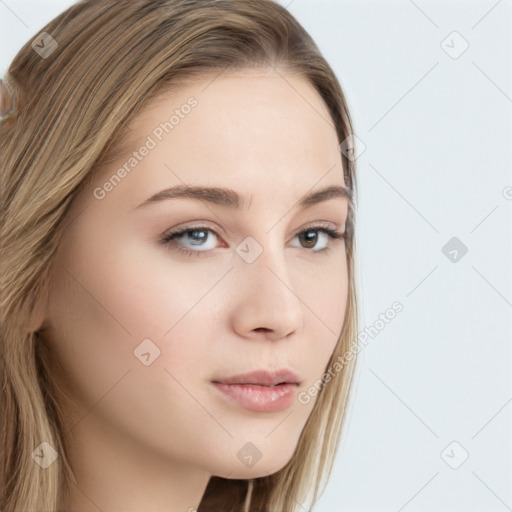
{"x":436,"y":133}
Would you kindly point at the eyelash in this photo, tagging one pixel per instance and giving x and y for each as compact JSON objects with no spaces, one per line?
{"x":167,"y":238}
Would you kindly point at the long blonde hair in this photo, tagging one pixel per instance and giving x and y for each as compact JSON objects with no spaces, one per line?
{"x":72,"y":103}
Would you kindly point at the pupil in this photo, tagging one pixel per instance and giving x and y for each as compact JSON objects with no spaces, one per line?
{"x":194,"y":233}
{"x":310,"y":240}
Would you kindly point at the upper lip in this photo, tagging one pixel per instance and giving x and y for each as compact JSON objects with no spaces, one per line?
{"x":263,"y":378}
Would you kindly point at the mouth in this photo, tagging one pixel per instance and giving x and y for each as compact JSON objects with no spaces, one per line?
{"x":254,"y":397}
{"x":261,"y":390}
{"x":264,"y":378}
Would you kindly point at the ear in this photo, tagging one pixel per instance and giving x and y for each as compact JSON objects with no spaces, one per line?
{"x":37,"y":315}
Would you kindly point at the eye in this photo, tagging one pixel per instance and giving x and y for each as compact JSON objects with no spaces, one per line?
{"x":198,"y":239}
{"x":310,"y":237}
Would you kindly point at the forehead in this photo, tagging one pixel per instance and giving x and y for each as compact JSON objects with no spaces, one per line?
{"x":243,"y":129}
{"x":248,"y":105}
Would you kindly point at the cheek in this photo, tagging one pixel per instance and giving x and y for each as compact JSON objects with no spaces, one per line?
{"x":127,"y":292}
{"x":324,"y":292}
{"x":325,"y":314}
{"x":101,"y":310}
{"x":162,"y":294}
{"x":89,"y":331}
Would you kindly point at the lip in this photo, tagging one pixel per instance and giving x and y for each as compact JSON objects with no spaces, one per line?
{"x":263,"y":378}
{"x":261,"y":390}
{"x":259,"y":398}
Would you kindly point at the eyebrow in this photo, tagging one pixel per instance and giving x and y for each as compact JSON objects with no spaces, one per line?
{"x":229,"y":198}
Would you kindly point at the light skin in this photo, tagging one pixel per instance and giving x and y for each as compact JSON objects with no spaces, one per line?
{"x":150,"y":437}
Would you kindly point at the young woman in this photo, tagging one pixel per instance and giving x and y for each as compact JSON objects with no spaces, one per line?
{"x":178,"y":280}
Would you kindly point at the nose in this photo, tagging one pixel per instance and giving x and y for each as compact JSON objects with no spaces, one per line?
{"x":265,"y":302}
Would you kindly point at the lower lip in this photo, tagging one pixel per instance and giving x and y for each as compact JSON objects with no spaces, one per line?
{"x":260,"y":398}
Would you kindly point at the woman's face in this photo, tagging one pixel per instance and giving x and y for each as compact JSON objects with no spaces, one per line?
{"x":143,"y":327}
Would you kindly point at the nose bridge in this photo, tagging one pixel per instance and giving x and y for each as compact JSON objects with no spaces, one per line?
{"x":264,"y":260}
{"x":265,"y":293}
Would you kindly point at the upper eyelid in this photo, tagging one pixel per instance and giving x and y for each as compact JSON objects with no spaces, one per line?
{"x":187,"y":227}
{"x":205,"y":225}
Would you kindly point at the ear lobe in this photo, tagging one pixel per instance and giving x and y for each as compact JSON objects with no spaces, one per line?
{"x":37,"y":316}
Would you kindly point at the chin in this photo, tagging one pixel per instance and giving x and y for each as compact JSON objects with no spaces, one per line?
{"x":261,"y":468}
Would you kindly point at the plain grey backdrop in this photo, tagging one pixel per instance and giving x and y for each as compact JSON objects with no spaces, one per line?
{"x":429,"y":85}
